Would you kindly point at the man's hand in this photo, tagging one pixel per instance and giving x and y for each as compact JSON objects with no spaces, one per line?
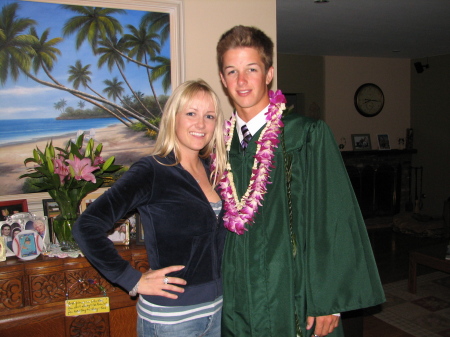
{"x":324,"y":324}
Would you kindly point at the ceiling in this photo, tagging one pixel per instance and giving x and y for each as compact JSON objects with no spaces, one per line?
{"x":411,"y":29}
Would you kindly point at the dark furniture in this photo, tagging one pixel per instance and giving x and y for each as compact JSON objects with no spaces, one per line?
{"x":33,"y":294}
{"x":430,"y":256}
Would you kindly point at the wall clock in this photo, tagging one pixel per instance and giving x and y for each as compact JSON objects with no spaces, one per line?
{"x":369,"y":99}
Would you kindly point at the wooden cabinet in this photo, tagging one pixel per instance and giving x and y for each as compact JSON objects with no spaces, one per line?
{"x":33,"y":294}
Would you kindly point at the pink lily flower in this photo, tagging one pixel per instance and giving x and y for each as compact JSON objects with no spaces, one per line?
{"x":98,"y":161}
{"x":61,"y":169}
{"x":83,"y":169}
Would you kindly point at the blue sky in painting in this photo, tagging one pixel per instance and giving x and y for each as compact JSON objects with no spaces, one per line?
{"x":26,"y":98}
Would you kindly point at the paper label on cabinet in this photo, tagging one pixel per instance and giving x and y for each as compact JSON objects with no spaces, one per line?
{"x":87,"y":306}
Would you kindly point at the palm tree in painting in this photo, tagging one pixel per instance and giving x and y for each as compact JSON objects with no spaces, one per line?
{"x":162,"y":70}
{"x":15,"y":47}
{"x":45,"y":52}
{"x":114,"y":90}
{"x":60,"y":105}
{"x":109,"y":55}
{"x":45,"y":55}
{"x":57,"y":106}
{"x":158,"y":23}
{"x":92,"y":24}
{"x":143,"y":45}
{"x":81,"y":75}
{"x":19,"y":52}
{"x":81,"y":104}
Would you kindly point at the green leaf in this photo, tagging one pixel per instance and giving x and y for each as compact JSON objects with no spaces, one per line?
{"x":98,"y":150}
{"x":108,"y":163}
{"x":52,"y":150}
{"x":113,"y":168}
{"x":41,"y":155}
{"x":31,"y":175}
{"x":74,"y":151}
{"x":79,"y":142}
{"x":36,"y":156}
{"x":50,"y":166}
{"x":56,"y":181}
{"x":30,"y":160}
{"x":89,"y":147}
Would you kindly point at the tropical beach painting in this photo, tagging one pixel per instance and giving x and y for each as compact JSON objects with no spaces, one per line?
{"x":67,"y":69}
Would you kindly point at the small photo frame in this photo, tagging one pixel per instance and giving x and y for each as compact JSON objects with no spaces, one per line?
{"x":11,"y":207}
{"x":51,"y":208}
{"x":383,"y":142}
{"x":27,"y":245}
{"x":361,"y":142}
{"x":8,"y":233}
{"x":51,"y":211}
{"x":123,"y":229}
{"x":31,"y":222}
{"x":89,"y":199}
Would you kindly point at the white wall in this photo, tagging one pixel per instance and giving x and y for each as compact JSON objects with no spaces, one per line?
{"x":329,"y":84}
{"x":345,"y":74}
{"x":206,"y":20}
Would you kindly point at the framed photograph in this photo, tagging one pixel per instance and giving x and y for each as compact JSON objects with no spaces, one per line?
{"x":8,"y":235}
{"x":51,"y":208}
{"x":139,"y":230}
{"x":27,"y":245}
{"x":11,"y":207}
{"x":31,"y":222}
{"x":51,"y":211}
{"x":383,"y":142}
{"x":90,"y":198}
{"x":125,"y":229}
{"x":361,"y":142}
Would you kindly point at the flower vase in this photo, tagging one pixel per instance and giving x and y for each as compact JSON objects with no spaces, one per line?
{"x":63,"y":230}
{"x":62,"y":224}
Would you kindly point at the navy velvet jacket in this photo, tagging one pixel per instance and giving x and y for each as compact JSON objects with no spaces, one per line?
{"x":180,"y":228}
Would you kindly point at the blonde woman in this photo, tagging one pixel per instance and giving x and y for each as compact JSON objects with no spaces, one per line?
{"x":174,"y":193}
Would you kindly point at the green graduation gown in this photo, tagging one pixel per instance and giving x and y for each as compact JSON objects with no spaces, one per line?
{"x":334,"y":269}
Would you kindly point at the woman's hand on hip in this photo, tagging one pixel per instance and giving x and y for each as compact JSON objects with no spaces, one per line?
{"x":155,"y":282}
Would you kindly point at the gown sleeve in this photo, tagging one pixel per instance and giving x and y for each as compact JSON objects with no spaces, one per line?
{"x":338,"y":258}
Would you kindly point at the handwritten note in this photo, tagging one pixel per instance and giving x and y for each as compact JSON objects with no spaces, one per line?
{"x":87,"y":306}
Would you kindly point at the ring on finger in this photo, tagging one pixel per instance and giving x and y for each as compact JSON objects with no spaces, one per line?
{"x":166,"y":280}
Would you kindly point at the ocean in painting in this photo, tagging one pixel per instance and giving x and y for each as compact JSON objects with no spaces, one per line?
{"x":14,"y":131}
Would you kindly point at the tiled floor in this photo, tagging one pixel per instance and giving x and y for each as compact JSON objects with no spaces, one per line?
{"x":424,"y":314}
{"x":391,"y":252}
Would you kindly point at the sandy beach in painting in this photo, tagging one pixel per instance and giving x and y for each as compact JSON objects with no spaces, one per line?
{"x":118,"y":140}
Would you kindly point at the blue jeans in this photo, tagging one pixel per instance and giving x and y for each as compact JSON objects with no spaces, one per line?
{"x":208,"y":326}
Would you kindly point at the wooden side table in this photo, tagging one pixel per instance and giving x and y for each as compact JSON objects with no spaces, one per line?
{"x":430,"y":256}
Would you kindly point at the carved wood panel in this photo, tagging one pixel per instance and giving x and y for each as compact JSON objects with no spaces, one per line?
{"x":32,"y":295}
{"x":82,"y":283}
{"x":11,"y":294}
{"x":47,"y":288}
{"x":88,"y":325}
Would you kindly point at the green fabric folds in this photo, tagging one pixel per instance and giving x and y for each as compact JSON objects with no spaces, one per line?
{"x":333,"y":271}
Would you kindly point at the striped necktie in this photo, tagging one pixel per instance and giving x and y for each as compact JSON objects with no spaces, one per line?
{"x":247,"y":136}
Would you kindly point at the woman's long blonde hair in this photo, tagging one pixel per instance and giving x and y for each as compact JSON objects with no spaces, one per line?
{"x":167,"y":140}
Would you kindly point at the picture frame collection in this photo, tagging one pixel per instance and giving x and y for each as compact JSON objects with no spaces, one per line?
{"x":28,"y":234}
{"x":362,"y":142}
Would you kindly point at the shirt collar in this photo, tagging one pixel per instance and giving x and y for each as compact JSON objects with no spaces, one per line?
{"x":253,"y":124}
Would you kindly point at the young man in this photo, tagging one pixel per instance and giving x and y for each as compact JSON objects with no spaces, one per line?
{"x":299,"y":254}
